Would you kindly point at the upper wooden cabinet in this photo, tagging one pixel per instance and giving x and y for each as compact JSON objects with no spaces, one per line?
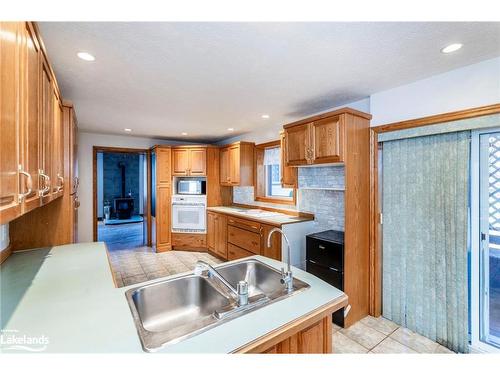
{"x":288,"y":174}
{"x":318,"y":140}
{"x":236,"y":164}
{"x":189,"y":161}
{"x":32,"y":136}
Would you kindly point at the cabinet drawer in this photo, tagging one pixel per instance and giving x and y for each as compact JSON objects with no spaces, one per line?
{"x":245,"y":239}
{"x":327,"y":254}
{"x":248,"y":225}
{"x":235,"y":252}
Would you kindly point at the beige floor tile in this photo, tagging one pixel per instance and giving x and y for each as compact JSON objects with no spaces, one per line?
{"x":335,"y":328}
{"x":364,"y":335}
{"x":390,"y":346}
{"x":381,"y":324}
{"x":440,"y":349}
{"x":134,"y":279}
{"x":344,"y":345}
{"x":413,"y":340}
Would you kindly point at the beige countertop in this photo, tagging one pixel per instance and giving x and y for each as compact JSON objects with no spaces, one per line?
{"x":263,"y":216}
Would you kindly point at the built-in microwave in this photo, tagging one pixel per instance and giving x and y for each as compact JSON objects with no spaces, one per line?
{"x":191,"y":186}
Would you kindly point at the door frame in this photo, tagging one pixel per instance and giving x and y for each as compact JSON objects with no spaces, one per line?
{"x":375,"y":284}
{"x":475,"y":251}
{"x":147,"y":206}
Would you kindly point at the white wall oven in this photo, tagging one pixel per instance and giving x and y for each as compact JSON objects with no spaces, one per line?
{"x":189,"y":213}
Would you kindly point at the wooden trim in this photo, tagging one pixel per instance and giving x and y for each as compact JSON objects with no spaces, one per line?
{"x":148,"y":199}
{"x":436,"y":119}
{"x":375,"y":306}
{"x":5,"y":253}
{"x":278,"y":335}
{"x":95,"y":150}
{"x":257,"y":194}
{"x":329,"y":114}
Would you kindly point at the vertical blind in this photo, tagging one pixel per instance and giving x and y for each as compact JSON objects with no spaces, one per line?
{"x":425,"y":206}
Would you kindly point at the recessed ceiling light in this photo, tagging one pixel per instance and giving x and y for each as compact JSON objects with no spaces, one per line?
{"x":85,"y":56}
{"x":265,"y":116}
{"x":451,"y":48}
{"x":128,"y":130}
{"x":230,"y":129}
{"x":184,"y":133}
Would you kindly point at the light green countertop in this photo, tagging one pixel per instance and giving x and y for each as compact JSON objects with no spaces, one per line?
{"x":67,"y":294}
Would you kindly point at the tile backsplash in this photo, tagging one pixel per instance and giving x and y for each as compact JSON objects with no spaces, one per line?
{"x":316,"y":194}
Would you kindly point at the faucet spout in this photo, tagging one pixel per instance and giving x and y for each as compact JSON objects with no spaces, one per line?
{"x":286,"y":277}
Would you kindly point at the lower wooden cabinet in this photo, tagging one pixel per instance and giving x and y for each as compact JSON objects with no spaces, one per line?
{"x":273,"y":251}
{"x":217,"y":234}
{"x":234,"y":252}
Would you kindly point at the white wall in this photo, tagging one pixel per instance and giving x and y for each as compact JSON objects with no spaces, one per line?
{"x":467,"y":87}
{"x":85,"y":153}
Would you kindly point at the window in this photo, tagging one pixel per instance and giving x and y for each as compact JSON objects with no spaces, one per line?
{"x":268,"y":175}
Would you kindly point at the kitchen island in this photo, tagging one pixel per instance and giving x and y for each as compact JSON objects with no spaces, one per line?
{"x":66,"y":294}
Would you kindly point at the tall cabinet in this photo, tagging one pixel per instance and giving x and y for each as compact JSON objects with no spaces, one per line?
{"x":342,"y":137}
{"x":34,"y":159}
{"x":161,"y":198}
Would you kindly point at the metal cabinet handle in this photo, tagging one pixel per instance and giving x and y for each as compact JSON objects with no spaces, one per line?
{"x":46,"y":183}
{"x":61,"y":179}
{"x":76,"y":204}
{"x":76,"y":182}
{"x":261,"y":232}
{"x":321,"y":247}
{"x":29,"y":183}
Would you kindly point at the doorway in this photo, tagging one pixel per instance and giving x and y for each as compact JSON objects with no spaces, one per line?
{"x":121,"y":207}
{"x":485,"y":240}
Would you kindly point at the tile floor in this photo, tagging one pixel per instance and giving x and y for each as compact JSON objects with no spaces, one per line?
{"x":132,"y":266}
{"x":370,"y":335}
{"x":379,"y":335}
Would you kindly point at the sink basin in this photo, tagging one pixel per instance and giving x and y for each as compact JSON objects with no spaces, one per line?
{"x":169,"y":311}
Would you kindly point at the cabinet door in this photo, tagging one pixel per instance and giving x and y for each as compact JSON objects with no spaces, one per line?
{"x":221,"y":236}
{"x":180,"y":162}
{"x":327,"y":146}
{"x":225,"y":178}
{"x":163,"y":175}
{"x":163,"y":217}
{"x":234,"y":165}
{"x":297,"y":142}
{"x":9,"y":121}
{"x":46,"y":123}
{"x":57,"y":145}
{"x":73,"y":131}
{"x":30,"y":117}
{"x":273,"y":251}
{"x":197,"y":162}
{"x":211,"y":230}
{"x":288,"y":174}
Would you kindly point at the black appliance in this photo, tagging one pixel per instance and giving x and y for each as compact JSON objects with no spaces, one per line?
{"x":325,"y":259}
{"x":123,"y":206}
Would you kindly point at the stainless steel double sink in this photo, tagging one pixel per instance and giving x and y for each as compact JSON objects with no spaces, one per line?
{"x":170,"y":311}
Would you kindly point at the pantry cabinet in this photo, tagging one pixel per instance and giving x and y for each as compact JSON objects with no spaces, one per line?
{"x":318,"y":140}
{"x":237,"y":164}
{"x":189,"y":161}
{"x":162,"y":198}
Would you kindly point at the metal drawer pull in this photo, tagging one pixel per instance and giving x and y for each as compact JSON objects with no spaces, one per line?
{"x":46,"y":183}
{"x":321,"y":247}
{"x":29,"y":183}
{"x":333,"y":269}
{"x":60,"y":178}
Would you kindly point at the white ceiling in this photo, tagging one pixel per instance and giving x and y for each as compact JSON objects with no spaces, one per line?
{"x":161,"y":79}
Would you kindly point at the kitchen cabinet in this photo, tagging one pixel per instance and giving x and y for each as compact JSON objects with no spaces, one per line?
{"x":162,"y":198}
{"x":217,"y":234}
{"x":189,"y":161}
{"x":46,"y":132}
{"x":315,"y":141}
{"x":237,"y":164}
{"x":10,"y":206}
{"x":57,"y":146}
{"x":288,"y":174}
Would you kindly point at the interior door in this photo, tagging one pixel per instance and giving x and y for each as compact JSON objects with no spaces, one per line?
{"x":489,"y":249}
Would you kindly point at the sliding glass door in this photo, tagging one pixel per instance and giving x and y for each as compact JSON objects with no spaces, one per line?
{"x":486,"y":252}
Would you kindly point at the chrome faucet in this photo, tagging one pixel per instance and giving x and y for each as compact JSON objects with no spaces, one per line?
{"x":241,"y":291}
{"x":286,"y":277}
